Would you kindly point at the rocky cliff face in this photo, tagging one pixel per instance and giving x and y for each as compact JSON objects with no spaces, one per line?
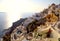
{"x":39,"y":27}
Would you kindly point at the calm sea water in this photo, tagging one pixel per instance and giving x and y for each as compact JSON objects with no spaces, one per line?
{"x":3,"y":21}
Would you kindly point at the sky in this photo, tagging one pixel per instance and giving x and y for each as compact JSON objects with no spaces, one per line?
{"x":15,"y":9}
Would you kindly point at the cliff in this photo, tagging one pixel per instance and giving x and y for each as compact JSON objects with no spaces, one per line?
{"x":40,"y":25}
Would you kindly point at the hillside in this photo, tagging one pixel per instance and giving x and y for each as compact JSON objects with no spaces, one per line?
{"x":43,"y":26}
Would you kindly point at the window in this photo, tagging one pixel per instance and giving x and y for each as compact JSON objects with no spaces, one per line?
{"x":15,"y":37}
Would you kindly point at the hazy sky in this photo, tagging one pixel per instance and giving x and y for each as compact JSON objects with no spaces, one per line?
{"x":16,"y":8}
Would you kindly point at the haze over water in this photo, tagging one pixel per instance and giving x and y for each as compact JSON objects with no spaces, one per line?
{"x":6,"y":21}
{"x":3,"y":21}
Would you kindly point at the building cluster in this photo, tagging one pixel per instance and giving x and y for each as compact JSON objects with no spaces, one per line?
{"x":43,"y":26}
